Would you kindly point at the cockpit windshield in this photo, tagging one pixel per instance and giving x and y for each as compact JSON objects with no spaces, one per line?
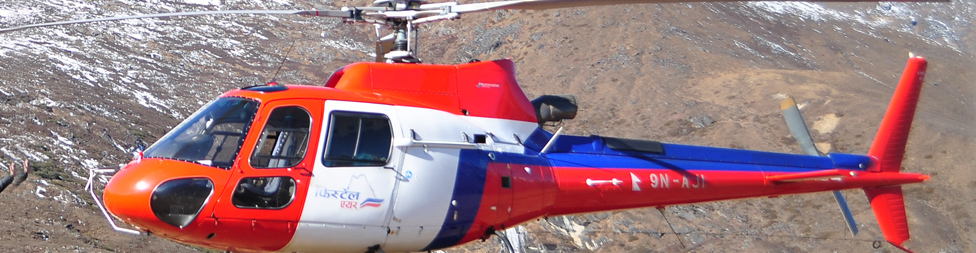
{"x":212,"y":136}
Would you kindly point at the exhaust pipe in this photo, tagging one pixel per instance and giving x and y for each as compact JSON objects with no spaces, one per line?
{"x":553,"y":108}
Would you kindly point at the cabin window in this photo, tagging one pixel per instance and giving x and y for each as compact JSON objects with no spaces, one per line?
{"x":284,"y":139}
{"x":264,"y":192}
{"x":358,"y":139}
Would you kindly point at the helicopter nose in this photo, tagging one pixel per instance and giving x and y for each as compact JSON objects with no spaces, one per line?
{"x":156,"y":199}
{"x":126,"y":196}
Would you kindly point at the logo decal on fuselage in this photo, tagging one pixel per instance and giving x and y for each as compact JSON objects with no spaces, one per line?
{"x":487,"y":85}
{"x":358,"y":194}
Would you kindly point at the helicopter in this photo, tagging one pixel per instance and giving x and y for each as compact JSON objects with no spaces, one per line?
{"x":402,"y":156}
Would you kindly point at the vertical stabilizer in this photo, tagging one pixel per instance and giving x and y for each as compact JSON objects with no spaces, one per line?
{"x":889,"y":144}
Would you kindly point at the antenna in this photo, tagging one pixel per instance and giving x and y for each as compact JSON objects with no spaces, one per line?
{"x":284,"y":58}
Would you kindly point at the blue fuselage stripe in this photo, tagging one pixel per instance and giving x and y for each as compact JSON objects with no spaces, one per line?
{"x":592,"y":152}
{"x":629,"y":162}
{"x":468,"y":188}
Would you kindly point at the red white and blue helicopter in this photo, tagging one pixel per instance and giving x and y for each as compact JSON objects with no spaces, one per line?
{"x":401,"y":156}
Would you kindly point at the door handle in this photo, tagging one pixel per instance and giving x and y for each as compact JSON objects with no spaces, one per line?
{"x":399,"y":176}
{"x":305,"y":170}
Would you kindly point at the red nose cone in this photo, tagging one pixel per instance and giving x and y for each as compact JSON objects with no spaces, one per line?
{"x":131,"y":192}
{"x":127,"y":195}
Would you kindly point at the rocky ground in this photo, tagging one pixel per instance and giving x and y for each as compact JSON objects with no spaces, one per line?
{"x":78,"y":97}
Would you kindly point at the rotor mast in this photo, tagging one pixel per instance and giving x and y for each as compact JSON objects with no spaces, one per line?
{"x":402,"y":18}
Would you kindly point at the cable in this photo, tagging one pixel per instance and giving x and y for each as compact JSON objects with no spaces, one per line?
{"x":680,"y":240}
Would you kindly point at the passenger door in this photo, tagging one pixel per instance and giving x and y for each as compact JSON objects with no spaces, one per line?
{"x":356,"y":169}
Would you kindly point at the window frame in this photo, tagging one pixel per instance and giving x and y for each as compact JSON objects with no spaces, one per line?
{"x":352,"y":162}
{"x":262,"y":137}
{"x":236,"y":195}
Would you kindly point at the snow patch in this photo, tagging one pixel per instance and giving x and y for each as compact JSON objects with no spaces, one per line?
{"x":62,"y":139}
{"x":801,"y":10}
{"x":936,"y":32}
{"x":76,"y":175}
{"x":516,"y":236}
{"x":89,"y":163}
{"x":149,"y":100}
{"x":203,"y":2}
{"x":348,"y":45}
{"x":748,"y":49}
{"x":41,"y":191}
{"x":6,"y":152}
{"x":575,"y":231}
{"x":45,"y":101}
{"x":31,"y":154}
{"x":776,"y":48}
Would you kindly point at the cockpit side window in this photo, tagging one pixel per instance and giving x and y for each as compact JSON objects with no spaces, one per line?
{"x":358,"y":139}
{"x":284,"y":139}
{"x":264,"y":192}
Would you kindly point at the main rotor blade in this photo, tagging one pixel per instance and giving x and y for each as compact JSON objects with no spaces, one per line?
{"x":797,"y":128}
{"x":791,"y":113}
{"x":846,"y":211}
{"x":554,"y":4}
{"x":324,"y":13}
